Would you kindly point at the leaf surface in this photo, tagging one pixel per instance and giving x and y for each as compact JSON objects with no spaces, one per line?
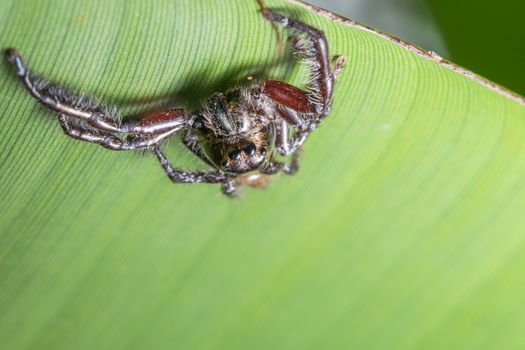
{"x":402,"y":230}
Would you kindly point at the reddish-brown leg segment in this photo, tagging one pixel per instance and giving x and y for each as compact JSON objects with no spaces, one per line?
{"x":288,"y":95}
{"x":161,"y":121}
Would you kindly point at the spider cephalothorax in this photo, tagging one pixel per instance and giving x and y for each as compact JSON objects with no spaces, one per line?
{"x":238,"y":133}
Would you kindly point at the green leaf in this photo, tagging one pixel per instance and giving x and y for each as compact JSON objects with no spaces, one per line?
{"x":402,"y":230}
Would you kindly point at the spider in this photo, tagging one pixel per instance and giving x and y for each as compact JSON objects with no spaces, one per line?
{"x":238,"y":133}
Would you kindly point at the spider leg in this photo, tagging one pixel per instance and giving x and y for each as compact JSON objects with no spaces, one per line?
{"x":287,"y":144}
{"x":292,"y":166}
{"x":101,"y":127}
{"x":62,"y":101}
{"x":163,"y":122}
{"x":288,"y":168}
{"x":312,"y":44}
{"x":300,"y":109}
{"x":179,"y":176}
{"x":107,"y":139}
{"x":230,"y":188}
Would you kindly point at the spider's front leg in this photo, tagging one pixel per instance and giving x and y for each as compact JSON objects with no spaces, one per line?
{"x":229,"y":186}
{"x":301,"y":111}
{"x":311,"y":44}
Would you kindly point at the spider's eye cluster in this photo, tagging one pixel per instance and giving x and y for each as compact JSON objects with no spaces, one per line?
{"x":243,"y":157}
{"x":243,"y":153}
{"x":249,"y":150}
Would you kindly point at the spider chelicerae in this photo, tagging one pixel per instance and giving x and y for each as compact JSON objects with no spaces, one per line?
{"x":238,"y":133}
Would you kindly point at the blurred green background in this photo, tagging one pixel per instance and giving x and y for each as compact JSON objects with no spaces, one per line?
{"x":485,"y":36}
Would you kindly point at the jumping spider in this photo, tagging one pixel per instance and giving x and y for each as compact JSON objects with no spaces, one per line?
{"x":238,"y":132}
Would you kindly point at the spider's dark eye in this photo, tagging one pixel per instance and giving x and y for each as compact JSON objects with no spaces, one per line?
{"x":250,"y":149}
{"x":224,"y":163}
{"x":235,"y":154}
{"x":262,"y":151}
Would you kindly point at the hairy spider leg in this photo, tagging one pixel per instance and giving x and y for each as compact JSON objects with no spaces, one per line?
{"x":40,"y":91}
{"x":294,"y":103}
{"x":158,"y":126}
{"x":150,"y":131}
{"x":314,"y":47}
{"x":289,"y":168}
{"x":229,"y":186}
{"x":109,"y":140}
